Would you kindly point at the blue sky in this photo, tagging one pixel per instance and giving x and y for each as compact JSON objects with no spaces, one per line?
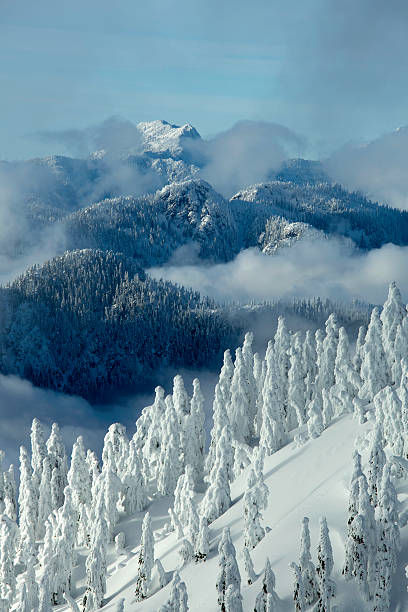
{"x":332,"y":71}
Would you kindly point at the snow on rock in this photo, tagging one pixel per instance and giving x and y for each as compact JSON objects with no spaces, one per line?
{"x":160,"y":136}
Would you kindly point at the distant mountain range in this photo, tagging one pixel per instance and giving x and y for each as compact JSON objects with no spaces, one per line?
{"x":119,"y":214}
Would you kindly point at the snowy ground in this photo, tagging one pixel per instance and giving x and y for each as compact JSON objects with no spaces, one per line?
{"x":311,"y":480}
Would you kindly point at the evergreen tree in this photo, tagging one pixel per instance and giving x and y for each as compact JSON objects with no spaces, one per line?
{"x":28,"y":510}
{"x":146,"y":559}
{"x":195,"y":435}
{"x":239,"y":408}
{"x":228,"y":572}
{"x":134,"y":490}
{"x":78,"y":475}
{"x":298,"y":589}
{"x":324,"y":569}
{"x":267,"y":599}
{"x":376,"y":462}
{"x":273,"y":433}
{"x":178,"y":601}
{"x":253,"y":530}
{"x":202,"y":544}
{"x":251,"y":390}
{"x":296,"y":392}
{"x":45,"y":498}
{"x":58,"y":463}
{"x":392,"y":315}
{"x":374,"y":365}
{"x":281,"y":351}
{"x":233,"y":600}
{"x":249,"y":566}
{"x":217,"y":498}
{"x":306,"y":567}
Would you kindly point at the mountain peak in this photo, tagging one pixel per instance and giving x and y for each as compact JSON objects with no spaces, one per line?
{"x":160,"y":135}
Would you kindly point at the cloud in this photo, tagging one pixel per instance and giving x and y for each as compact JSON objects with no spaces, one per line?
{"x":116,"y":135}
{"x":378,"y":168}
{"x":246,"y":154}
{"x":329,"y":267}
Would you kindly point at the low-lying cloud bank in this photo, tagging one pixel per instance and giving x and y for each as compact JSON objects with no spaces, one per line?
{"x":330,"y":267}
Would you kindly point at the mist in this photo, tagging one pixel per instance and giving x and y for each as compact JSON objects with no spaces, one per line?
{"x":330,"y":267}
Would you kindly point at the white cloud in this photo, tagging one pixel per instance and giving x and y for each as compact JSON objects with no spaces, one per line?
{"x":327,"y":268}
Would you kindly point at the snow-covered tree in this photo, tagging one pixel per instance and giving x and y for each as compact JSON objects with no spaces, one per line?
{"x":178,"y":601}
{"x":10,"y":494}
{"x":388,"y":540}
{"x":134,"y":490}
{"x":202,"y":543}
{"x":374,"y":364}
{"x":273,"y":432}
{"x":315,"y":418}
{"x":251,"y":390}
{"x":249,"y":566}
{"x":233,"y":600}
{"x":392,"y":315}
{"x":115,"y":449}
{"x":252,"y":506}
{"x":38,"y":451}
{"x":327,"y":356}
{"x":281,"y":352}
{"x":309,"y":359}
{"x":296,"y":389}
{"x":95,"y":576}
{"x":7,"y":555}
{"x":228,"y":572}
{"x":307,"y":569}
{"x":376,"y":462}
{"x":45,"y":498}
{"x":78,"y":475}
{"x":217,"y":498}
{"x":298,"y":589}
{"x":194,"y":434}
{"x":324,"y":569}
{"x":169,"y":466}
{"x":239,"y":412}
{"x":267,"y":600}
{"x":28,"y":504}
{"x":58,"y":463}
{"x":146,"y":559}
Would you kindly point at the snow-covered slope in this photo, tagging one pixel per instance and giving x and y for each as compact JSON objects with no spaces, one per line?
{"x":308,"y":481}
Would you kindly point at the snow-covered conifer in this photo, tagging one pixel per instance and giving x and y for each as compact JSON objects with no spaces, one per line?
{"x":281,"y":352}
{"x":251,"y":390}
{"x":24,"y":604}
{"x":45,"y":498}
{"x":309,"y":358}
{"x":249,"y":566}
{"x":253,"y":530}
{"x":389,"y":533}
{"x":233,"y":600}
{"x":327,"y":356}
{"x":78,"y":475}
{"x":357,"y":359}
{"x":38,"y":452}
{"x":10,"y":494}
{"x":392,"y":315}
{"x":217,"y":498}
{"x":324,"y":569}
{"x":58,"y":462}
{"x":228,"y":572}
{"x":296,"y":389}
{"x":146,"y":559}
{"x":95,"y":576}
{"x":64,"y":547}
{"x":273,"y":432}
{"x":178,"y":601}
{"x":298,"y":589}
{"x":374,"y":365}
{"x":267,"y":599}
{"x":327,"y":408}
{"x":307,"y":569}
{"x":220,"y":420}
{"x":376,"y":462}
{"x":153,"y":437}
{"x":186,"y":551}
{"x":28,"y":510}
{"x":7,"y":552}
{"x":202,"y":543}
{"x":315,"y":418}
{"x":194,"y":434}
{"x":134,"y":490}
{"x":115,"y":449}
{"x":238,"y":410}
